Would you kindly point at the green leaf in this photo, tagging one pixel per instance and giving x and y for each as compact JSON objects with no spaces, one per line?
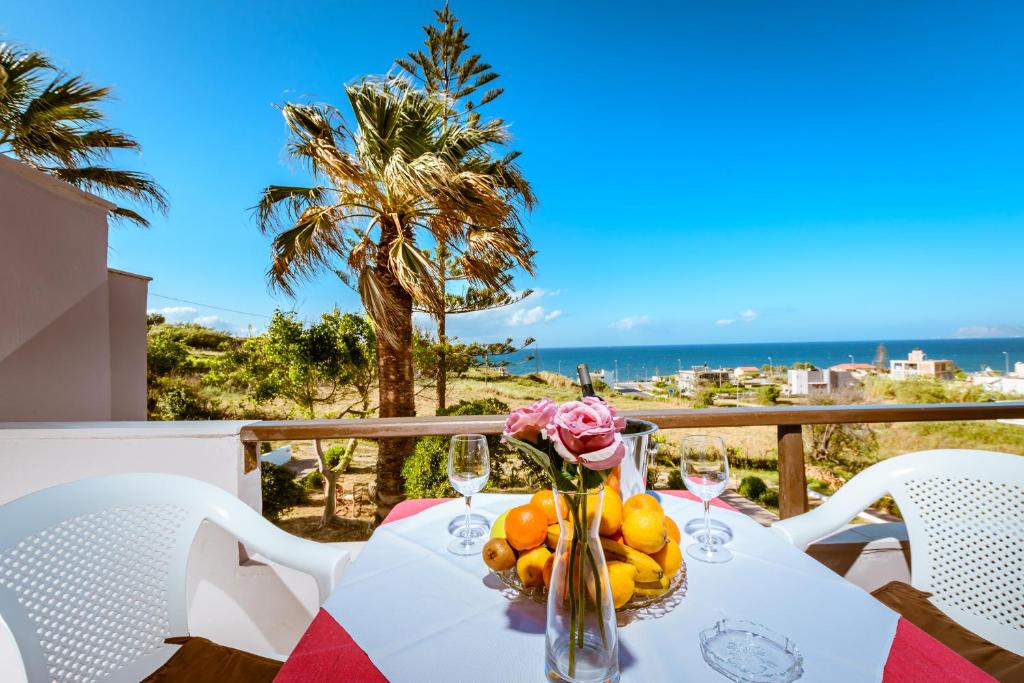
{"x":544,"y":460}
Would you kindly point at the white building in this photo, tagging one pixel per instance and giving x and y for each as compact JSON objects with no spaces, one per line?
{"x":1012,"y":384}
{"x":918,"y":364}
{"x":689,"y":380}
{"x":818,"y":382}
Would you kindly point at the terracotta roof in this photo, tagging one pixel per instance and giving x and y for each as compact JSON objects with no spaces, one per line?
{"x":853,"y":366}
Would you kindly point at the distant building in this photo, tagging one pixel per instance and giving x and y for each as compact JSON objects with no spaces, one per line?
{"x":72,"y":330}
{"x":855,"y":367}
{"x":746,"y":371}
{"x":1001,"y":384}
{"x":689,"y":380}
{"x":818,"y":382}
{"x":918,"y":365}
{"x":1018,"y":369}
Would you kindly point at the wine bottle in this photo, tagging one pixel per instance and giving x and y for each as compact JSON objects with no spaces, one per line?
{"x":586,"y":384}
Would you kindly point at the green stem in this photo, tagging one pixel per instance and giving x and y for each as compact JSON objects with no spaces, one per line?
{"x":581,"y":536}
{"x":573,"y":512}
{"x":598,"y":597}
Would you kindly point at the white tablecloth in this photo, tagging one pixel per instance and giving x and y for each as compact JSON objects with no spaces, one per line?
{"x":423,"y":614}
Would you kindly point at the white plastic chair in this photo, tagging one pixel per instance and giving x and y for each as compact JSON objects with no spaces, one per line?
{"x":92,"y":572}
{"x":964,"y":512}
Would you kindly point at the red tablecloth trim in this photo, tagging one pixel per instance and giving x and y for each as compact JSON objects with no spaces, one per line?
{"x":327,"y":652}
{"x":916,"y":657}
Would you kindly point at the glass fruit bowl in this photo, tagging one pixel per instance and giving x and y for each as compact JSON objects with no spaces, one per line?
{"x":640,"y":606}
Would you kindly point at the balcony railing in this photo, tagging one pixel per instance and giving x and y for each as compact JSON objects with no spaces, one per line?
{"x":787,"y":420}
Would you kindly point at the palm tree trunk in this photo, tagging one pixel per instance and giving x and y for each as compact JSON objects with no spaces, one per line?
{"x":396,"y":385}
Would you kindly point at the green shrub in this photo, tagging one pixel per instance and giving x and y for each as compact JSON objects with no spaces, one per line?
{"x":752,"y":488}
{"x":426,"y":470}
{"x":887,"y":505}
{"x":337,"y":453}
{"x":195,"y":336}
{"x":675,"y":479}
{"x":280,"y":491}
{"x":165,"y":355}
{"x":182,"y":400}
{"x":768,"y":394}
{"x":770,"y":498}
{"x":705,"y":397}
{"x":313,"y":481}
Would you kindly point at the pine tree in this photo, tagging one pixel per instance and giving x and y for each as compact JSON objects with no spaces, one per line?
{"x":447,"y":68}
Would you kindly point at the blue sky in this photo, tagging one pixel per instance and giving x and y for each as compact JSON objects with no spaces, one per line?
{"x":707,"y":172}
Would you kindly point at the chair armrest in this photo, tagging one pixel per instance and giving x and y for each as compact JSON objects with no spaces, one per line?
{"x":849,"y":501}
{"x":323,"y":562}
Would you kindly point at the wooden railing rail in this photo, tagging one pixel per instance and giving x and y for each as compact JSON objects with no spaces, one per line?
{"x":787,"y":419}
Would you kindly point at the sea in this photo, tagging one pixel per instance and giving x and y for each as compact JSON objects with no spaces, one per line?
{"x":640,"y":362}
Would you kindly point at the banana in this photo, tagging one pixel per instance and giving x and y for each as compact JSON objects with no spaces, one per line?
{"x":646,"y":568}
{"x":652,"y":587}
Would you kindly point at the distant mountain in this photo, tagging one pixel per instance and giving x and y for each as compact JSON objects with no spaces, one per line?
{"x":979,"y":331}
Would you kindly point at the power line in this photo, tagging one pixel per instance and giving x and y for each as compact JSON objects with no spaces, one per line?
{"x":216,"y":308}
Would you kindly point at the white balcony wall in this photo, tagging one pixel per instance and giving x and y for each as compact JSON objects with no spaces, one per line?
{"x":238,"y":601}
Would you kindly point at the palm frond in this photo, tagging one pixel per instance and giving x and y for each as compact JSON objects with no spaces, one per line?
{"x":380,"y":306}
{"x":137,"y":187}
{"x":416,"y":273}
{"x":310,"y":244}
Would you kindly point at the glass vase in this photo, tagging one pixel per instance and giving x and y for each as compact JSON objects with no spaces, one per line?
{"x":581,"y":642}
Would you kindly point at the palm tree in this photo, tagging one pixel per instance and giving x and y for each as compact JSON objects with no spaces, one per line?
{"x":401,"y":177}
{"x":51,"y":121}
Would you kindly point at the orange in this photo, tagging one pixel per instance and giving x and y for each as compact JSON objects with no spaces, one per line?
{"x":554,"y":531}
{"x":545,"y":500}
{"x":549,"y":566}
{"x":526,"y":526}
{"x":644,"y":530}
{"x":612,"y":482}
{"x":611,"y":513}
{"x":672,"y":528}
{"x":669,"y":558}
{"x":641,"y":501}
{"x":530,"y":567}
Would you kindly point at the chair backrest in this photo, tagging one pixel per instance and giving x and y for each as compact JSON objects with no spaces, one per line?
{"x":92,"y":572}
{"x":964,"y":512}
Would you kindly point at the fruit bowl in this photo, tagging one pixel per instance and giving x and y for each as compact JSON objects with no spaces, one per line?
{"x":638,"y":606}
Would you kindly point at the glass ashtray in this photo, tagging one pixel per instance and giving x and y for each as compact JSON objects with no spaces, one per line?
{"x":746,"y":652}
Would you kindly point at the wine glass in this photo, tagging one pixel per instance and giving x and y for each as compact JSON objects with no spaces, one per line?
{"x":469,"y":466}
{"x":705,"y":468}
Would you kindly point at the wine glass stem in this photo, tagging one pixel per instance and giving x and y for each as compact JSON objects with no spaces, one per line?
{"x":468,"y":534}
{"x":707,"y":545}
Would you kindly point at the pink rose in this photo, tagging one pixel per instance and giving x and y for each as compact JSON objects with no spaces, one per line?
{"x":526,"y":424}
{"x":587,"y":432}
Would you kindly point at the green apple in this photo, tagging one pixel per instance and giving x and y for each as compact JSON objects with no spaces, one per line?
{"x":498,"y":528}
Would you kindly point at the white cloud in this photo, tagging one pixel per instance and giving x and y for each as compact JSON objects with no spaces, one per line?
{"x":532,"y":316}
{"x":632,"y":321}
{"x":176,"y":314}
{"x":747,"y":315}
{"x":187,"y":314}
{"x":498,"y":322}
